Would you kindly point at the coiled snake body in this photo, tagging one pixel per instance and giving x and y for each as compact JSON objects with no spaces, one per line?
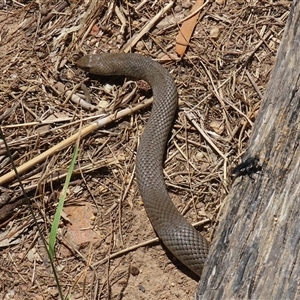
{"x":171,"y":227}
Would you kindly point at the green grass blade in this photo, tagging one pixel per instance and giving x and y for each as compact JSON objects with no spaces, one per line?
{"x":53,"y":233}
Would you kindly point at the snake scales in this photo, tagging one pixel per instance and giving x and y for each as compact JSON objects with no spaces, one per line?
{"x":171,"y":227}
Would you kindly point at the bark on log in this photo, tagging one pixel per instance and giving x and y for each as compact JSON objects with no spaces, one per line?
{"x":256,"y":250}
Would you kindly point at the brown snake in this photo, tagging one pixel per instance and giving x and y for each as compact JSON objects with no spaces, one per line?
{"x":172,"y":228}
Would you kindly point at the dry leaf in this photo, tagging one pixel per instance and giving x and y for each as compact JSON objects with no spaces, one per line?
{"x":11,"y":236}
{"x":33,"y":255}
{"x":186,"y":30}
{"x":217,"y":126}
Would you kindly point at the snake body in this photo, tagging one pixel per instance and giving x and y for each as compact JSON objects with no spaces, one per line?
{"x":173,"y":229}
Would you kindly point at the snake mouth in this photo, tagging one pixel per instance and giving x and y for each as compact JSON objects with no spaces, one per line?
{"x":84,"y":68}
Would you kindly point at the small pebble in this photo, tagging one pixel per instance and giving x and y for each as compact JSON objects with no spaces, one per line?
{"x":215,"y":32}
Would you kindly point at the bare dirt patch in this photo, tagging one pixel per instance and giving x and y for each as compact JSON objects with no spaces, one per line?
{"x":220,"y":81}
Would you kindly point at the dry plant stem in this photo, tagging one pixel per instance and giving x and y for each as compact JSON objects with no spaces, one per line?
{"x":146,"y":28}
{"x":59,"y":8}
{"x":9,"y":111}
{"x":206,"y":137}
{"x":254,"y":84}
{"x":85,"y":131}
{"x":193,"y":13}
{"x":223,"y":100}
{"x":263,"y":39}
{"x":140,"y":5}
{"x":87,"y":33}
{"x":121,"y":18}
{"x":86,"y":169}
{"x":36,"y":123}
{"x":75,"y":98}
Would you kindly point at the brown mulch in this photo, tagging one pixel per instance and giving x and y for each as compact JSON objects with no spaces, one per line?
{"x":220,"y":80}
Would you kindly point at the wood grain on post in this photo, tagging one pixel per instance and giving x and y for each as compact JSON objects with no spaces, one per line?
{"x":256,"y":250}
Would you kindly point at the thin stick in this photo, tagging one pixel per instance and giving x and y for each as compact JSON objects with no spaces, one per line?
{"x":63,"y":144}
{"x":146,"y":28}
{"x":206,"y":137}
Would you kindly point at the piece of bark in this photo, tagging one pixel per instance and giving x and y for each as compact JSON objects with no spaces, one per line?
{"x":256,"y":250}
